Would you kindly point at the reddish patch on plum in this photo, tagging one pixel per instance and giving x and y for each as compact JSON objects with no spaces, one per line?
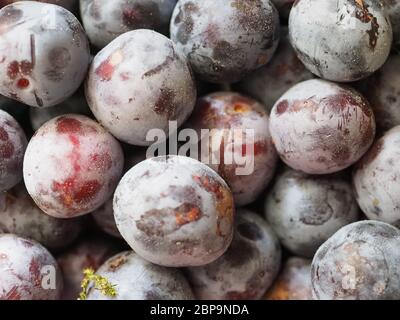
{"x":343,"y":100}
{"x":102,"y":162}
{"x":282,"y":107}
{"x":23,"y":83}
{"x":3,"y":134}
{"x":16,"y":68}
{"x":7,"y":150}
{"x":107,"y":68}
{"x":34,"y":270}
{"x":13,"y":294}
{"x":68,"y":125}
{"x":260,"y":147}
{"x":187,"y":214}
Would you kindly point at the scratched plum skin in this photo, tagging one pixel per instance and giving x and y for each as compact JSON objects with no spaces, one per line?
{"x":72,"y":166}
{"x":293,"y":282}
{"x":105,"y":20}
{"x":375,"y":179}
{"x":137,"y":279}
{"x":175,"y":211}
{"x":319,"y":127}
{"x":225,"y":40}
{"x":232,"y":111}
{"x":344,"y":40}
{"x":23,"y":266}
{"x":12,"y":148}
{"x":19,"y":215}
{"x":247,"y":269}
{"x":44,"y":53}
{"x":67,"y":4}
{"x":139,"y":82}
{"x":306,"y":210}
{"x":91,"y":252}
{"x":359,"y":262}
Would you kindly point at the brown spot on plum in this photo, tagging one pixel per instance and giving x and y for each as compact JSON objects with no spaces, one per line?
{"x":362,"y":13}
{"x":184,"y":18}
{"x":34,"y":270}
{"x":282,"y":107}
{"x":7,"y":150}
{"x":59,"y":57}
{"x":186,"y":214}
{"x":68,"y":125}
{"x":117,"y":263}
{"x":102,"y":161}
{"x":165,"y":103}
{"x":3,"y":134}
{"x":13,"y":294}
{"x":250,"y":231}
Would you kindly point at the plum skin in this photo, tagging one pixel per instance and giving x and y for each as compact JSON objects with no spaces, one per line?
{"x":176,"y":220}
{"x":140,"y":81}
{"x":72,"y":166}
{"x":54,"y":55}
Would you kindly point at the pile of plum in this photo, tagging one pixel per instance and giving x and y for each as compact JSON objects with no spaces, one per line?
{"x":82,"y":84}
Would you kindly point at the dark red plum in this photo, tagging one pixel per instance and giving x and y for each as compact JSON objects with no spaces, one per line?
{"x":246,"y":270}
{"x":44,"y":53}
{"x":13,"y":143}
{"x":226,"y":40}
{"x":105,"y":20}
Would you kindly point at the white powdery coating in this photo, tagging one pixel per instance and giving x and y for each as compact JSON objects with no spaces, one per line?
{"x":344,"y":40}
{"x":72,"y":166}
{"x":270,"y":82}
{"x":21,"y":264}
{"x":225,"y":40}
{"x":393,"y":9}
{"x":376,"y":179}
{"x":91,"y":253}
{"x":105,"y":20}
{"x":46,"y":45}
{"x":382,"y":90}
{"x":137,"y":279}
{"x":294,"y":281}
{"x":247,"y":269}
{"x":174,"y":211}
{"x":320,"y":127}
{"x":13,"y":143}
{"x":361,"y":261}
{"x":305,"y":211}
{"x":139,"y":82}
{"x":19,"y":215}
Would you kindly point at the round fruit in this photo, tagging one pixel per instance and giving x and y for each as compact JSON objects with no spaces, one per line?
{"x":175,"y":211}
{"x":239,"y":139}
{"x":139,"y":82}
{"x":92,"y":252}
{"x":27,"y":271}
{"x":360,"y":261}
{"x":19,"y":215}
{"x":270,"y":82}
{"x":246,"y":270}
{"x":305,"y":211}
{"x":137,"y":279}
{"x":105,"y":20}
{"x":320,"y":127}
{"x":344,"y":40}
{"x":294,"y":281}
{"x":12,"y":148}
{"x":376,"y":179}
{"x":44,"y":53}
{"x":225,"y":40}
{"x":71,"y":166}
